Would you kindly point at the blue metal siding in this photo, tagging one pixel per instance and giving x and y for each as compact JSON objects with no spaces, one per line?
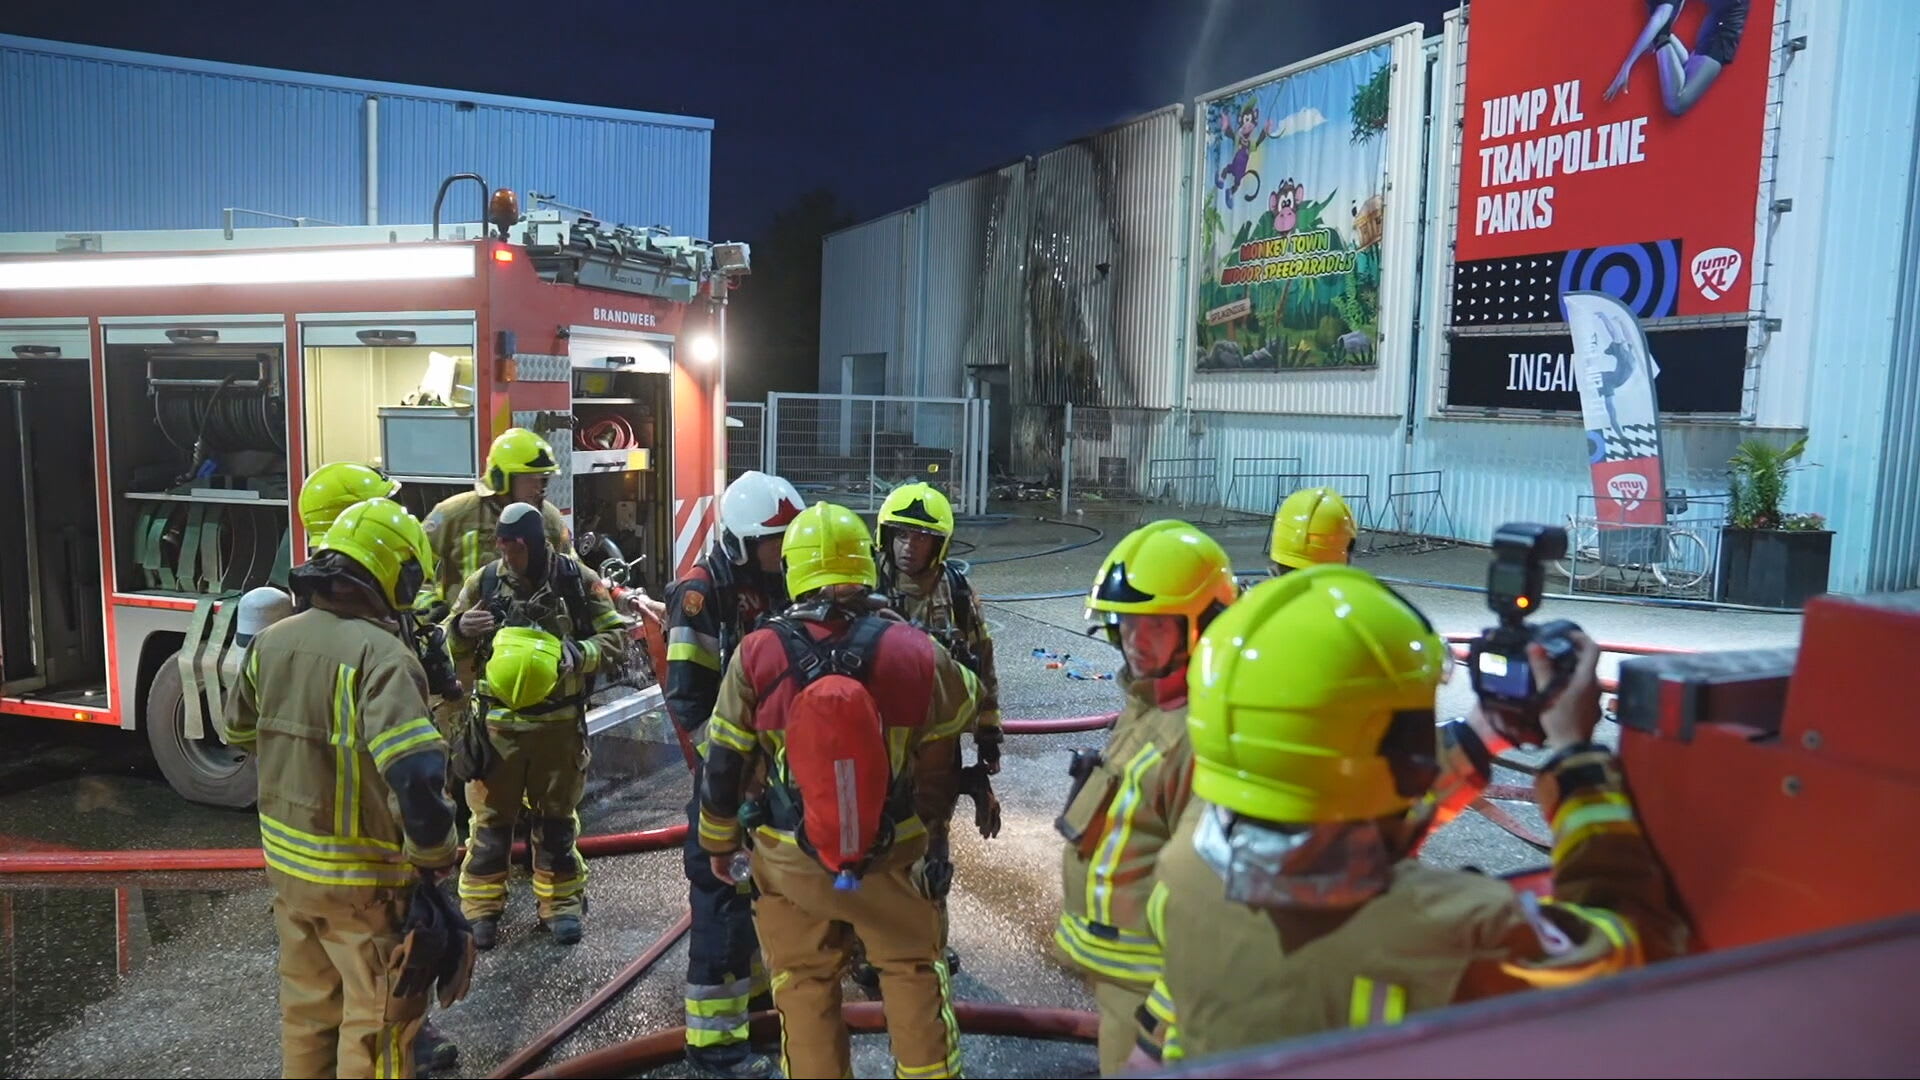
{"x":95,"y":145}
{"x":99,"y":139}
{"x":1861,"y":407}
{"x":633,"y":173}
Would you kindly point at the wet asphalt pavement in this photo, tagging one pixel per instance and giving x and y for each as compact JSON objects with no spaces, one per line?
{"x":173,"y":975}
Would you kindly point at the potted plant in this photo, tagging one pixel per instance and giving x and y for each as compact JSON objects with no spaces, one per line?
{"x":1769,"y":558}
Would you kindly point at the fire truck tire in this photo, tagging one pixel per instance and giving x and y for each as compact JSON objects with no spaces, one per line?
{"x":203,"y":770}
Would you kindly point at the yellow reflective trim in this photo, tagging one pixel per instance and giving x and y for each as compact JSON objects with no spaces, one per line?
{"x":609,"y":620}
{"x":702,"y":1038}
{"x":718,"y":829}
{"x":1160,"y":1002}
{"x":962,"y":718}
{"x":1585,"y":809}
{"x":1113,"y":847}
{"x":717,"y":1008}
{"x":1157,"y":911}
{"x":1396,"y":1003}
{"x":398,"y":741}
{"x":1137,"y":970}
{"x":252,"y":671}
{"x":549,"y":889}
{"x":482,"y":890}
{"x":897,"y":748}
{"x":1360,"y":1002}
{"x":730,"y":735}
{"x":1130,"y":943}
{"x":345,"y":738}
{"x":367,"y":875}
{"x":684,"y":650}
{"x":323,"y":846}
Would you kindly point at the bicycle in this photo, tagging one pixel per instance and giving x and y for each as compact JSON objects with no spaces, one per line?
{"x":1686,"y":561}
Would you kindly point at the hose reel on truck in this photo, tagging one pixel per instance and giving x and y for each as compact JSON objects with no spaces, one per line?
{"x":211,"y":524}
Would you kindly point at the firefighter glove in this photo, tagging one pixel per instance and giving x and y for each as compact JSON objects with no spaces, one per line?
{"x":986,"y":745}
{"x":976,"y":784}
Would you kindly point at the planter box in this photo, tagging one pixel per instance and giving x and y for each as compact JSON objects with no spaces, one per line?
{"x":1773,"y":568}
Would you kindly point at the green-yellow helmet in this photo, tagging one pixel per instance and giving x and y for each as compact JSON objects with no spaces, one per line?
{"x":1307,"y":692}
{"x":1163,"y":568}
{"x":517,"y":451}
{"x":524,"y":667}
{"x":827,"y":545}
{"x":388,"y":543}
{"x":919,"y":507}
{"x":330,"y":489}
{"x":1312,"y":526}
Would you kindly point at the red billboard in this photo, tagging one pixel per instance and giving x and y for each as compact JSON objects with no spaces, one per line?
{"x":1610,"y":147}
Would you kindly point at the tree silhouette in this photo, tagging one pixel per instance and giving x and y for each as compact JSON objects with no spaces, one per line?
{"x":774,"y":320}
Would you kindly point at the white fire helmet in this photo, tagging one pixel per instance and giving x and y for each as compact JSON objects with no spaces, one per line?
{"x":259,"y":609}
{"x":753,"y":506}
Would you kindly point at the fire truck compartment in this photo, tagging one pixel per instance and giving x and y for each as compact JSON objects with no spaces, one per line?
{"x":52,"y":648}
{"x":621,"y":460}
{"x":196,"y":456}
{"x":397,"y":395}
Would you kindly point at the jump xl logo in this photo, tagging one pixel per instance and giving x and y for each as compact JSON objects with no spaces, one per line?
{"x":1715,"y":270}
{"x":1629,"y":488}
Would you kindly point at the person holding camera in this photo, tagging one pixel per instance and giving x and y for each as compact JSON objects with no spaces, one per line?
{"x":1159,"y":588}
{"x":1288,"y":903}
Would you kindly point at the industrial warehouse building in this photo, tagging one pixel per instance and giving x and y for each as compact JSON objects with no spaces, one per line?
{"x":149,"y":142}
{"x":1099,"y":300}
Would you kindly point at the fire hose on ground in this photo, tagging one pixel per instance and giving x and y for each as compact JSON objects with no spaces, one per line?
{"x":862,"y":1018}
{"x":127,"y":862}
{"x":622,"y":843}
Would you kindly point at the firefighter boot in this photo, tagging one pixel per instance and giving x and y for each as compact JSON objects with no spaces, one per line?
{"x":731,"y":1063}
{"x":432,"y":1051}
{"x":486,"y":931}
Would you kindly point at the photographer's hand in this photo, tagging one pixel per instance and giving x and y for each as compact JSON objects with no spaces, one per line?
{"x":1571,"y":718}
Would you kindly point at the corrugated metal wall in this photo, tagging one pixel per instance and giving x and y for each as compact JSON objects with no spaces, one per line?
{"x":1104,"y":260}
{"x":101,"y":139}
{"x":869,"y":297}
{"x":1864,"y":418}
{"x":956,"y":257}
{"x":92,"y":145}
{"x":629,"y":171}
{"x":976,"y":270}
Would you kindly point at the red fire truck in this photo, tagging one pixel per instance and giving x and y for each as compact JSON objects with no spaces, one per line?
{"x":165,"y":394}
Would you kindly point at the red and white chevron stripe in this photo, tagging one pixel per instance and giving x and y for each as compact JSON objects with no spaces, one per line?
{"x":692,"y":531}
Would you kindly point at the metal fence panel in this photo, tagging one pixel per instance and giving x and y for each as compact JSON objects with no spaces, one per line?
{"x":1680,"y":559}
{"x":857,"y":447}
{"x":746,"y":444}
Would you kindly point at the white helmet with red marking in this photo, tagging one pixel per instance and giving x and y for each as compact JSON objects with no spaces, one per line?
{"x":754,"y":506}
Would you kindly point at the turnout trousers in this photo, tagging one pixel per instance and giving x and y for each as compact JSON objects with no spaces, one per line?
{"x":806,"y":926}
{"x":544,"y":768}
{"x":334,"y":1016}
{"x":724,"y":973}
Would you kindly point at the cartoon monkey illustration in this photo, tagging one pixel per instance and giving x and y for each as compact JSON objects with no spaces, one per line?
{"x":1285,"y":204}
{"x":1247,"y":138}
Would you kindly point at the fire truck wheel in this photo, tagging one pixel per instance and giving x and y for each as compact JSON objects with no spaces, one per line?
{"x":203,"y":770}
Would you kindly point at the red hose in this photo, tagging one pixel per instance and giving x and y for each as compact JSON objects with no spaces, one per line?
{"x":865,"y":1017}
{"x":628,"y":843}
{"x":545,"y":1041}
{"x":1059,"y":725}
{"x":129,"y":862}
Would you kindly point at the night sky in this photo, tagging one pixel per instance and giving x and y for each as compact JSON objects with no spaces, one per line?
{"x":875,"y":102}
